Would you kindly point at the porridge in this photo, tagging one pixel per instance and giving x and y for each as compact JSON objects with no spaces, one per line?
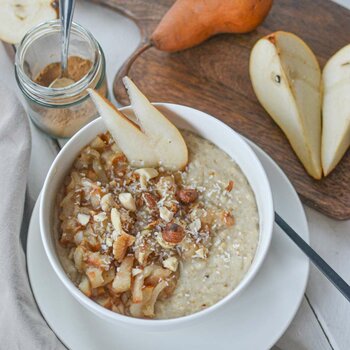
{"x":150,"y":243}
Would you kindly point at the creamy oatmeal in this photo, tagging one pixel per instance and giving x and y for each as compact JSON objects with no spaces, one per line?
{"x":149,"y":243}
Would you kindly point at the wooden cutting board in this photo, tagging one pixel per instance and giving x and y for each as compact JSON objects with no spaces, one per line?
{"x":213,"y":77}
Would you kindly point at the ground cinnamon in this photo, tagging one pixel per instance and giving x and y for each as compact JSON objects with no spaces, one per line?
{"x":67,"y":114}
{"x":78,"y":67}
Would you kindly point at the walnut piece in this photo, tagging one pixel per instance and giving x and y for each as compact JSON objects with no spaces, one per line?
{"x":173,"y":233}
{"x":149,"y":200}
{"x":127,"y":201}
{"x":171,"y":263}
{"x":107,"y":202}
{"x":187,"y":195}
{"x":83,"y":219}
{"x":228,"y":219}
{"x":116,"y":221}
{"x":166,"y":214}
{"x":146,"y":174}
{"x":229,"y":187}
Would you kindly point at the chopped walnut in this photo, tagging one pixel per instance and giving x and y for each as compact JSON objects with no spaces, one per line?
{"x":187,"y":195}
{"x":107,"y":202}
{"x":228,"y":219}
{"x":173,"y":233}
{"x":127,"y":230}
{"x":127,"y":201}
{"x":229,"y":187}
{"x":83,"y":219}
{"x":171,"y":263}
{"x":166,"y":214}
{"x":149,"y":200}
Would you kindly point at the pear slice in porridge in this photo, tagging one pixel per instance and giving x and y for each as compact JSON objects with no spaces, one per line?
{"x":151,"y":142}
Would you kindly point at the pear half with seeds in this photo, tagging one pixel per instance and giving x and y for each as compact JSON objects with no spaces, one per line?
{"x":336,"y":109}
{"x":286,"y":78}
{"x":153,"y":141}
{"x":18,"y":16}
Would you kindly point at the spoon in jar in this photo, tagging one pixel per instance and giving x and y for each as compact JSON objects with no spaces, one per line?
{"x":66,"y":17}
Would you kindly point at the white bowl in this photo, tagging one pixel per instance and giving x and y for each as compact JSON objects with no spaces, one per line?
{"x":209,"y":128}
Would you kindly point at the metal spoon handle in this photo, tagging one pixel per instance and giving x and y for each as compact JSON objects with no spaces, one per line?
{"x":66,"y":16}
{"x":332,"y":276}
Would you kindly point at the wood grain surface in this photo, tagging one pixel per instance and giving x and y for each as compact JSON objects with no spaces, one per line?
{"x":213,"y":77}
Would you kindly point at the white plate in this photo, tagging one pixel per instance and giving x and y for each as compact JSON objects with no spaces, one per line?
{"x":254,"y":320}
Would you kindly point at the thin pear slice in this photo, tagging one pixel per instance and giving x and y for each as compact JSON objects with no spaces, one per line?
{"x":18,"y":16}
{"x":336,"y":109}
{"x":286,"y":78}
{"x":144,"y":147}
{"x":165,"y":139}
{"x":132,"y":141}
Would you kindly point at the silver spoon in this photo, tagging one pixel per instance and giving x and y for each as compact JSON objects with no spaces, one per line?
{"x":66,"y":17}
{"x":332,"y":276}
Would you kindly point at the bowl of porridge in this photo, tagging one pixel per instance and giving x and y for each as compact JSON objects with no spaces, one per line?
{"x":151,"y":247}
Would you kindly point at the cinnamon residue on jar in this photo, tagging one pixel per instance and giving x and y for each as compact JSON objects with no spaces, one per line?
{"x":78,"y":67}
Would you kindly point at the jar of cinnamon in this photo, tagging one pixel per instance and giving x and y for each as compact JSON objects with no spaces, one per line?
{"x":60,"y":111}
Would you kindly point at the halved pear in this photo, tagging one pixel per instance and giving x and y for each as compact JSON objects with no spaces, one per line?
{"x":286,"y":78}
{"x":18,"y":16}
{"x":154,"y":142}
{"x":336,"y":109}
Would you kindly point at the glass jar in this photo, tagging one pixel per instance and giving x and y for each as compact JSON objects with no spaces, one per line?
{"x":60,"y":112}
